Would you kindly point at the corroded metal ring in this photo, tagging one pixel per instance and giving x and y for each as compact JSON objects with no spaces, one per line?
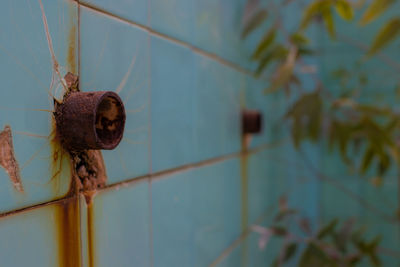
{"x":90,"y":120}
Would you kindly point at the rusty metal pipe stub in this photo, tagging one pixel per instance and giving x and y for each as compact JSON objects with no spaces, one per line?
{"x":90,"y":120}
{"x":252,"y":121}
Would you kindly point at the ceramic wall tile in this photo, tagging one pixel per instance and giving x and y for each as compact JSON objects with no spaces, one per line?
{"x":118,"y":227}
{"x":115,"y":57}
{"x":196,"y":214}
{"x":173,"y":18}
{"x":217,"y":115}
{"x":29,"y":85}
{"x":172,"y":104}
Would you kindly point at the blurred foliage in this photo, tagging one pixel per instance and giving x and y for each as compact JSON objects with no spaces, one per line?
{"x":332,"y":245}
{"x":367,"y":130}
{"x":366,"y":135}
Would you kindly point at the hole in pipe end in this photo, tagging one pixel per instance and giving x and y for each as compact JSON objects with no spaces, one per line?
{"x":90,"y":120}
{"x":252,"y":122}
{"x":110,"y":121}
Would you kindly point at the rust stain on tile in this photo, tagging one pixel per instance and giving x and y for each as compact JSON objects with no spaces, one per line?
{"x":244,"y":182}
{"x":69,"y":232}
{"x":72,"y":38}
{"x":71,"y":55}
{"x":91,"y":231}
{"x":8,"y":160}
{"x":60,"y":159}
{"x":244,"y":193}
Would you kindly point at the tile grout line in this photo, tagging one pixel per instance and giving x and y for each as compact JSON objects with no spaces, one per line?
{"x":166,"y":173}
{"x":80,"y":227}
{"x":33,"y":207}
{"x":79,"y":38}
{"x":151,"y":31}
{"x":154,"y":176}
{"x":150,"y":149}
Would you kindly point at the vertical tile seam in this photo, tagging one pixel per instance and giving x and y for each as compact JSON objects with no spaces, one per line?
{"x":195,"y":69}
{"x":148,"y":13}
{"x":79,"y":199}
{"x":79,"y":38}
{"x":151,"y":246}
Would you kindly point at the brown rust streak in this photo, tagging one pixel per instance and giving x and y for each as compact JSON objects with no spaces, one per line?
{"x":59,"y":156}
{"x":8,"y":160}
{"x":244,"y":193}
{"x":68,"y":212}
{"x":69,"y":232}
{"x":91,"y":242}
{"x":71,"y":54}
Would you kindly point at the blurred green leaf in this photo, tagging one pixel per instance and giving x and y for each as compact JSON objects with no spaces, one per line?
{"x":314,"y":9}
{"x":303,"y":51}
{"x":306,"y":114}
{"x":328,"y":229}
{"x":299,"y":39}
{"x":354,"y":259}
{"x":344,"y":9}
{"x":367,"y":159}
{"x":282,"y":76}
{"x":340,"y":134}
{"x":277,"y":52}
{"x":342,"y":237}
{"x":314,"y":256}
{"x":387,"y":34}
{"x":255,"y":21}
{"x":372,"y":110}
{"x":375,"y":9}
{"x":384,"y":163}
{"x":357,"y":234}
{"x":370,"y":249}
{"x":288,"y":251}
{"x":265,"y":43}
{"x":329,"y":22}
{"x":279,"y":230}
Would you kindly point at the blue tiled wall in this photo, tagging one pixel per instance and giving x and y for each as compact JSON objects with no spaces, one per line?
{"x":180,"y":190}
{"x":175,"y":189}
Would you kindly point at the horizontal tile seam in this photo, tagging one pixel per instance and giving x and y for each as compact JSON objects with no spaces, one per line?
{"x":36,"y":206}
{"x":185,"y":168}
{"x":151,"y":31}
{"x":139,"y":179}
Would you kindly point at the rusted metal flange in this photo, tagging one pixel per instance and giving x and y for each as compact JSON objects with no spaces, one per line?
{"x":252,"y":121}
{"x":90,"y":120}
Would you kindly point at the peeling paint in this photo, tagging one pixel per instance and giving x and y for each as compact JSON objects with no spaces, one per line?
{"x":8,"y":160}
{"x":72,"y":82}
